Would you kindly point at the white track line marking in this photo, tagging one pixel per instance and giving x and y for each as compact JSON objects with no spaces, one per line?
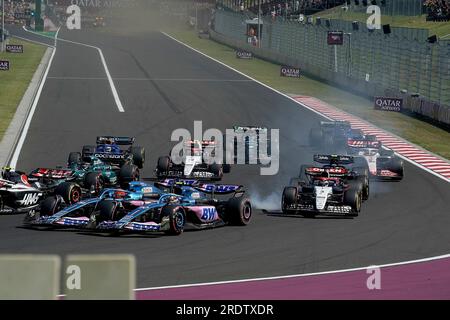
{"x":26,"y":127}
{"x":297,"y":275}
{"x":108,"y":75}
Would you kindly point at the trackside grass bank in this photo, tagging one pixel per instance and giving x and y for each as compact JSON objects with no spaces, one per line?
{"x":421,"y":133}
{"x":14,"y":83}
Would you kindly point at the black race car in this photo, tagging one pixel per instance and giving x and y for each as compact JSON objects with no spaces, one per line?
{"x":332,"y":135}
{"x":329,"y":189}
{"x":21,"y":193}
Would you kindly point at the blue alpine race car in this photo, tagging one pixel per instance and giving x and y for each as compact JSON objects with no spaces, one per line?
{"x":169,"y":206}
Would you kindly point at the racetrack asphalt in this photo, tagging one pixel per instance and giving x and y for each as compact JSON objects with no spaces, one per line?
{"x":164,"y":86}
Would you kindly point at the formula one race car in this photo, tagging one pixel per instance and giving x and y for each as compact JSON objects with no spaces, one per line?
{"x":332,"y":188}
{"x":21,"y":193}
{"x":108,"y":150}
{"x":99,"y":22}
{"x":250,"y":138}
{"x":381,"y":162}
{"x":151,"y":208}
{"x":96,"y":174}
{"x":192,"y":164}
{"x":332,"y":135}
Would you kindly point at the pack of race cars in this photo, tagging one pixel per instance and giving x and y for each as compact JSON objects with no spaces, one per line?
{"x":341,"y":182}
{"x":100,"y":189}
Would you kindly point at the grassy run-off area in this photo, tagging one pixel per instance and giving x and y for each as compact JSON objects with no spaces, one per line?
{"x":421,"y":133}
{"x":14,"y":83}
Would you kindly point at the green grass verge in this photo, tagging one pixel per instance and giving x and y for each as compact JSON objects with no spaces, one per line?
{"x":14,"y":83}
{"x":421,"y":133}
{"x":440,"y":29}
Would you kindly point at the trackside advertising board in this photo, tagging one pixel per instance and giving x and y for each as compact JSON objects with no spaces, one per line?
{"x":290,"y":72}
{"x":241,"y":54}
{"x":4,"y":65}
{"x":335,"y":38}
{"x":14,"y":48}
{"x":388,"y":104}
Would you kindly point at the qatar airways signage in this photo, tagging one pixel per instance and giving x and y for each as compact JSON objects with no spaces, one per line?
{"x":4,"y":65}
{"x":100,"y":3}
{"x":388,"y":104}
{"x":290,"y":72}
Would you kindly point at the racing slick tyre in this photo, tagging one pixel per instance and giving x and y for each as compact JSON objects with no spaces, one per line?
{"x":86,"y":152}
{"x":70,"y":192}
{"x":49,"y":206}
{"x":363,"y":177}
{"x":93,"y":181}
{"x":163,"y":165}
{"x":216,"y":170}
{"x":138,"y":154}
{"x":106,"y":211}
{"x":289,"y":198}
{"x":353,"y":198}
{"x":74,"y":159}
{"x":315,"y":137}
{"x":128,"y":173}
{"x":239,"y":211}
{"x":396,"y":166}
{"x":177,"y":219}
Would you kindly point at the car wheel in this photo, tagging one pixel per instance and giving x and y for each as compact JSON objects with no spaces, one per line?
{"x":177,"y":219}
{"x":238,"y":211}
{"x":128,"y":173}
{"x":289,"y":198}
{"x":138,"y":156}
{"x":93,"y":181}
{"x":69,"y":191}
{"x":74,"y":159}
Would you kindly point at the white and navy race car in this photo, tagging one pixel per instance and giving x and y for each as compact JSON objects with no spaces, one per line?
{"x":381,"y":162}
{"x":193,"y":163}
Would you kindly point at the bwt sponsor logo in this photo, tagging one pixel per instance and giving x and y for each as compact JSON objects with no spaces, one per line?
{"x":388,"y":104}
{"x":229,"y":148}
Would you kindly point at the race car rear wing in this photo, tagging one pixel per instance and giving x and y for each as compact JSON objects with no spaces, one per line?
{"x":248,"y":128}
{"x":339,"y":123}
{"x":363,"y":143}
{"x":333,"y":159}
{"x":51,"y":173}
{"x":337,"y":172}
{"x":125,"y":141}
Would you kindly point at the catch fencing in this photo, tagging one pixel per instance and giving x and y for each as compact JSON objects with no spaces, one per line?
{"x":402,"y":63}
